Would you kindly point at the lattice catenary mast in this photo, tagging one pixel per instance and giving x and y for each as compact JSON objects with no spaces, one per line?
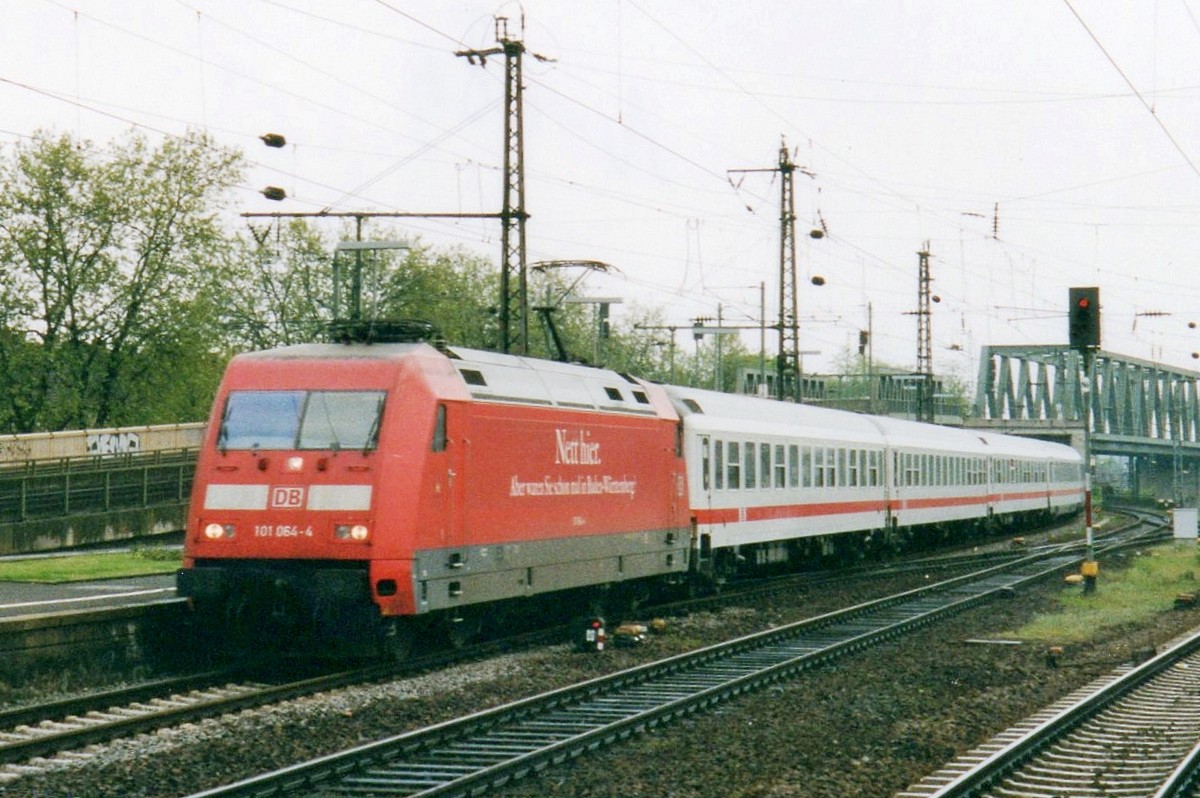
{"x":514,"y":305}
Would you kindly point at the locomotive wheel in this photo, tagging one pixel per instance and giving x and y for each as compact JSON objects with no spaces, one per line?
{"x":396,"y":642}
{"x":462,"y":630}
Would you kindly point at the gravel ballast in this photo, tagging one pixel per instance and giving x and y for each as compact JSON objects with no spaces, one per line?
{"x":866,"y":726}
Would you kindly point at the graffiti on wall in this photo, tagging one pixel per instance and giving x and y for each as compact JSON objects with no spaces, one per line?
{"x":15,"y":450}
{"x":113,"y":442}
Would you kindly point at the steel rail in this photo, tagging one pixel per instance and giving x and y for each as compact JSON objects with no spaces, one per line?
{"x":1060,"y":749}
{"x":470,"y":756}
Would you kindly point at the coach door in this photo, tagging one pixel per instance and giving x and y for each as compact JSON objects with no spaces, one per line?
{"x":449,"y":461}
{"x":891,"y":483}
{"x":709,"y":464}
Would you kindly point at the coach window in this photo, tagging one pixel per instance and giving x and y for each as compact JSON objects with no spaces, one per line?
{"x":764,"y":462}
{"x":719,"y":463}
{"x":852,"y":469}
{"x":818,"y":466}
{"x":831,"y":469}
{"x":793,"y":466}
{"x":705,"y":464}
{"x":733,"y":455}
{"x":873,"y":468}
{"x":749,"y":478}
{"x":841,"y":468}
{"x":780,"y":467}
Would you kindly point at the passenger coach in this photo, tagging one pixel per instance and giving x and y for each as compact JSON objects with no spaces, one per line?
{"x":779,"y":483}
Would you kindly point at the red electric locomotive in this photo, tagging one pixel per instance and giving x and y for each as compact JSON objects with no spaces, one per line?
{"x":361,"y":495}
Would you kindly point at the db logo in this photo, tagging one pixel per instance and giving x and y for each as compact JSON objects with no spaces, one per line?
{"x":287,"y":497}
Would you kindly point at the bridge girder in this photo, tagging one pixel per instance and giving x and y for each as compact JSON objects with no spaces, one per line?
{"x":1136,"y":407}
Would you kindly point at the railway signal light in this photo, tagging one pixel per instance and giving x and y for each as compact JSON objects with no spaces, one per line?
{"x":1083,"y":314}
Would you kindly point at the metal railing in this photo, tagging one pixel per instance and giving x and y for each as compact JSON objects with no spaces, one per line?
{"x":98,"y":484}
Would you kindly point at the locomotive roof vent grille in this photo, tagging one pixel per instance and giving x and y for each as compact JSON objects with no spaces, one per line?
{"x":614,"y":394}
{"x":473,"y":377}
{"x":641,"y":397}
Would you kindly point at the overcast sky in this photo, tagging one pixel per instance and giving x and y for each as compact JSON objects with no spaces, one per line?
{"x":1035,"y":144}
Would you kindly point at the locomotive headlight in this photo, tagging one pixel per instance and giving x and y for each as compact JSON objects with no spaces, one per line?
{"x":218,"y":531}
{"x":357,"y":532}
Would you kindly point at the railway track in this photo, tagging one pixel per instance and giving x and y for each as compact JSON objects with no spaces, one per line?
{"x":50,"y":728}
{"x":46,"y":730}
{"x":1131,"y":733}
{"x":487,"y":750}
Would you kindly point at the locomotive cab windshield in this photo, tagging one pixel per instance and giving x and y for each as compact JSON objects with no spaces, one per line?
{"x":313,"y":420}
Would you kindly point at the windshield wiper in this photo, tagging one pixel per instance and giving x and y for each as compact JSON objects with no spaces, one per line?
{"x":373,"y":434}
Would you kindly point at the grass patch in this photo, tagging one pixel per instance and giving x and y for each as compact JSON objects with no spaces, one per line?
{"x":86,"y":567}
{"x":1124,"y":595}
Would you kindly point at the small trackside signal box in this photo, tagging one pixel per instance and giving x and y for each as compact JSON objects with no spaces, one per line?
{"x":1083,"y":315}
{"x":594,"y":636}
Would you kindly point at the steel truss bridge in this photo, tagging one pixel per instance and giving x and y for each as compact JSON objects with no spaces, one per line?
{"x":1134,"y":408}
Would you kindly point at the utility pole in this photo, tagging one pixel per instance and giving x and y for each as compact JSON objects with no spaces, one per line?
{"x":924,"y":340}
{"x":789,"y":317}
{"x":514,"y":305}
{"x":788,"y":360}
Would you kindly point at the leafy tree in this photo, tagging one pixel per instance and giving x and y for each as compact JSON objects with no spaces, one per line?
{"x":284,"y":295}
{"x":454,"y":289}
{"x":287,"y":295}
{"x":643,"y":346}
{"x":115,"y":259}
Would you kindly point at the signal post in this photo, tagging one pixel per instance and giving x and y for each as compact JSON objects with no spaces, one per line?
{"x":1083,"y":318}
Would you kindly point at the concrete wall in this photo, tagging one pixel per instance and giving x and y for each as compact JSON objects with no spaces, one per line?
{"x":52,"y":534}
{"x":117,"y":639}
